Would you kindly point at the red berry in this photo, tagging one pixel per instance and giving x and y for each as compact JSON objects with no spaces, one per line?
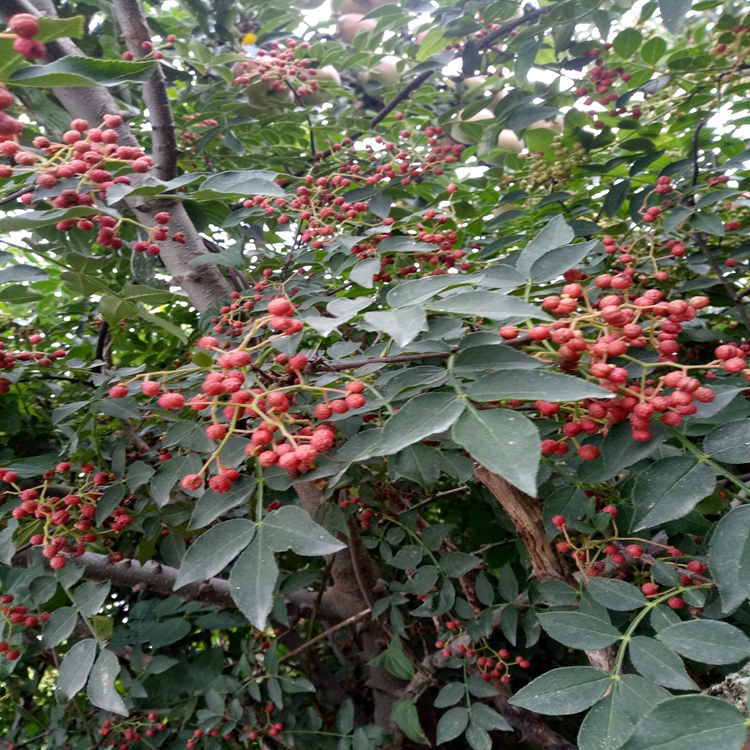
{"x":558,"y":521}
{"x":675,"y":602}
{"x":634,"y":549}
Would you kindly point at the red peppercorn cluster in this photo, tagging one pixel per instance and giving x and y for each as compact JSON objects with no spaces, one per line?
{"x":69,"y":520}
{"x":602,"y":81}
{"x":124,"y":732}
{"x":9,"y":359}
{"x":17,"y":616}
{"x":25,"y":26}
{"x":279,"y":69}
{"x":151,"y":50}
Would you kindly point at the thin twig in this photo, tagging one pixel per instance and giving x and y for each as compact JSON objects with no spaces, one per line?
{"x":12,"y":197}
{"x":326,"y":633}
{"x":696,"y":133}
{"x":437,"y":496}
{"x":728,"y":286}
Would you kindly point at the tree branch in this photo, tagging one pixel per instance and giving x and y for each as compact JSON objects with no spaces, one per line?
{"x":728,"y":286}
{"x":547,"y":563}
{"x":204,"y":286}
{"x":135,"y":31}
{"x":15,"y":196}
{"x":325,"y":634}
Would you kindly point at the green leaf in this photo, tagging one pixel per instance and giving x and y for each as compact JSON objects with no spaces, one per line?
{"x":22,"y":272}
{"x":56,"y":28}
{"x":479,"y":359}
{"x":75,"y":668}
{"x":653,"y":50}
{"x":395,"y":660}
{"x":139,"y":473}
{"x":556,"y":233}
{"x":690,"y":722}
{"x":59,"y":626}
{"x":569,"y":502}
{"x":578,"y":630}
{"x":452,"y":724}
{"x":673,"y":13}
{"x":456,"y":564}
{"x":626,"y":43}
{"x":290,"y":527}
{"x":404,"y":714}
{"x":101,"y":689}
{"x":659,"y":663}
{"x":451,"y":694}
{"x":240,"y":182}
{"x":611,"y":721}
{"x":111,"y":498}
{"x":433,"y":42}
{"x":211,"y":505}
{"x":669,"y":489}
{"x":507,"y":584}
{"x":522,"y":117}
{"x":253,"y":579}
{"x":402,"y":325}
{"x":214,"y":550}
{"x":616,"y":197}
{"x":614,"y":594}
{"x":484,"y":590}
{"x":503,"y":441}
{"x":729,"y":443}
{"x":729,"y":544}
{"x":168,"y":474}
{"x":563,"y":691}
{"x":487,"y":718}
{"x":708,"y":223}
{"x":530,"y":385}
{"x":493,"y":305}
{"x":408,"y":557}
{"x":76,"y":71}
{"x":345,"y":717}
{"x":17,"y":294}
{"x":89,"y":597}
{"x":402,"y":244}
{"x":554,"y":264}
{"x":707,"y":641}
{"x":479,"y":688}
{"x":419,"y":418}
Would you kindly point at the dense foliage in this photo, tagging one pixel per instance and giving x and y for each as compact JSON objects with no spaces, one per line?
{"x":374,"y":376}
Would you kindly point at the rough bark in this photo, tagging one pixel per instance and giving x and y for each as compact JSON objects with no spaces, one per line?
{"x":547,"y":563}
{"x":205,"y":285}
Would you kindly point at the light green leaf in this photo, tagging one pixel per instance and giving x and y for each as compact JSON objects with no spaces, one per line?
{"x":577,"y":630}
{"x":77,"y":71}
{"x":75,"y":668}
{"x":253,"y":579}
{"x":402,"y":325}
{"x":530,"y":385}
{"x":707,"y":641}
{"x":101,"y":689}
{"x":659,"y":663}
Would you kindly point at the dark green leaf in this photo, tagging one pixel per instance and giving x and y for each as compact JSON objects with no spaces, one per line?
{"x":616,"y":197}
{"x":690,"y":722}
{"x":563,"y":691}
{"x":452,"y":724}
{"x":659,"y":663}
{"x":577,"y":630}
{"x":492,"y":305}
{"x":404,"y":714}
{"x":456,"y":564}
{"x":253,"y":579}
{"x":503,"y":441}
{"x":487,"y":718}
{"x":707,"y":641}
{"x":729,"y":443}
{"x":670,"y":489}
{"x":421,"y":417}
{"x":211,"y":552}
{"x":75,"y":668}
{"x":402,"y":325}
{"x":729,"y":544}
{"x":241,"y":182}
{"x":531,"y":385}
{"x":451,"y":694}
{"x":89,"y":597}
{"x":614,"y":594}
{"x":111,"y":498}
{"x":290,"y":527}
{"x":59,"y":626}
{"x":555,"y":234}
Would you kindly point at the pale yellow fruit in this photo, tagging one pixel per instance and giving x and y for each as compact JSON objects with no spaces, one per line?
{"x":351,"y":23}
{"x":261,"y":95}
{"x":508,"y":142}
{"x":556,"y":124}
{"x":459,"y":135}
{"x":386,"y":72}
{"x":327,"y":73}
{"x":363,"y":7}
{"x":469,"y":83}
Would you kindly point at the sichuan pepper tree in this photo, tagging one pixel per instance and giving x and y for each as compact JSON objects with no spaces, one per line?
{"x":373,"y":376}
